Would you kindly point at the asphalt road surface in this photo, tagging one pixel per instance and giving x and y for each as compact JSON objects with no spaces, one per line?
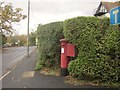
{"x":13,"y":55}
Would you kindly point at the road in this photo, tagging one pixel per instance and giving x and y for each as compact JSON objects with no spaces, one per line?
{"x":11,"y":56}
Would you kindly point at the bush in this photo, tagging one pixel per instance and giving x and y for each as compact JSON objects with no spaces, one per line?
{"x":98,"y":45}
{"x":48,"y":43}
{"x":40,"y":63}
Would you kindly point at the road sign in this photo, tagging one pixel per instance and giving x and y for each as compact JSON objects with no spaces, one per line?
{"x":115,"y":15}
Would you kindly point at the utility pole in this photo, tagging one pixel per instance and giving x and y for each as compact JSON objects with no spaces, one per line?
{"x":28,"y":28}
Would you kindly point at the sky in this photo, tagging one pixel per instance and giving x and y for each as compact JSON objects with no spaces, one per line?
{"x":46,"y":11}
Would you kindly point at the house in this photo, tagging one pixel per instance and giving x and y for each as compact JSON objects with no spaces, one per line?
{"x":105,"y":7}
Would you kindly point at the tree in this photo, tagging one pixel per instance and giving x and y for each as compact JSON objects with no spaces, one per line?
{"x":3,"y":39}
{"x":32,"y":38}
{"x":8,"y":16}
{"x":21,"y":40}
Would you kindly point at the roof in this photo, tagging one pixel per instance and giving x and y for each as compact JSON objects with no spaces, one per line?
{"x":107,"y":5}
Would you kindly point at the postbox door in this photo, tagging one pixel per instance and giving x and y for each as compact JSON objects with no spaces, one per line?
{"x":70,"y":50}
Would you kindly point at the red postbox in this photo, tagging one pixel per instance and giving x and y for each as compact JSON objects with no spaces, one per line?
{"x":67,"y":51}
{"x":71,"y":50}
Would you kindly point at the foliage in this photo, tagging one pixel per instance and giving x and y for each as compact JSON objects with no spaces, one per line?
{"x":40,"y":63}
{"x":9,"y":15}
{"x":2,"y":39}
{"x":48,"y":43}
{"x":21,"y":38}
{"x":98,"y":45}
{"x":97,"y":42}
{"x":32,"y":38}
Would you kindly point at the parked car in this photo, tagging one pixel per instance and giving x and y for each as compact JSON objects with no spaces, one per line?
{"x":7,"y":45}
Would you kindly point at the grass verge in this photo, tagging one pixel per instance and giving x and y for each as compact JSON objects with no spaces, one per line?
{"x":54,"y":71}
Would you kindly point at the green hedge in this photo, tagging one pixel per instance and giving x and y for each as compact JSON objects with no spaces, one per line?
{"x":98,"y":45}
{"x":97,"y":42}
{"x":48,"y":43}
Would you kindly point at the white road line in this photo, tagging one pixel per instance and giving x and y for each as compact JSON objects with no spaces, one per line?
{"x":5,"y":75}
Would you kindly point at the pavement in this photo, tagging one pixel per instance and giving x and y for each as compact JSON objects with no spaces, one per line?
{"x":25,"y":76}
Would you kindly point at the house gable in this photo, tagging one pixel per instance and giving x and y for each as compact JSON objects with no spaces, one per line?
{"x":105,"y":7}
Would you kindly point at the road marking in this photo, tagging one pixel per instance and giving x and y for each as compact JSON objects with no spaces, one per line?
{"x":5,"y":75}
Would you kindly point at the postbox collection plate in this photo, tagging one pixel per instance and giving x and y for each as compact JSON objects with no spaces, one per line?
{"x":62,"y":50}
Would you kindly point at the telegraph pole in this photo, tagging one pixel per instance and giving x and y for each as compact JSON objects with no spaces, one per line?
{"x":28,"y":28}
